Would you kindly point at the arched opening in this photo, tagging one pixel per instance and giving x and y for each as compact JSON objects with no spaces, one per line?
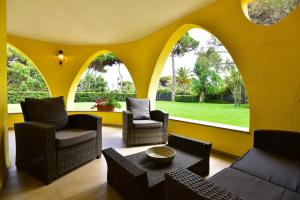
{"x":268,"y":12}
{"x":199,"y":80}
{"x":23,"y":80}
{"x":105,"y":81}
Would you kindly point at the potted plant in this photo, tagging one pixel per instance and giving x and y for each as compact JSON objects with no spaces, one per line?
{"x":106,"y":104}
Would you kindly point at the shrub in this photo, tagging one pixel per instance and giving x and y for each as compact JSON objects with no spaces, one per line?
{"x":187,"y":98}
{"x":164,"y":90}
{"x":93,"y":96}
{"x":18,"y":96}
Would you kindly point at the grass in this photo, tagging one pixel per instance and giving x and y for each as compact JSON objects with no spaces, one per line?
{"x":210,"y":112}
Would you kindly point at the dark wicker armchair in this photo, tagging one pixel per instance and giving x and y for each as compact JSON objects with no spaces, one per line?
{"x":50,"y":143}
{"x":142,"y":126}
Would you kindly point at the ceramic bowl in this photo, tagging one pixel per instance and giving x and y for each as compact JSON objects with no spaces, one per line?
{"x":161,"y":154}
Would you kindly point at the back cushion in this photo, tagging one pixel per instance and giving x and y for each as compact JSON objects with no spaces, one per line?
{"x":24,"y":111}
{"x":48,"y":110}
{"x":139,"y":107}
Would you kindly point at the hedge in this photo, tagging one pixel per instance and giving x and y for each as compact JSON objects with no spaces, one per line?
{"x":15,"y":97}
{"x":187,"y":98}
{"x":93,"y":96}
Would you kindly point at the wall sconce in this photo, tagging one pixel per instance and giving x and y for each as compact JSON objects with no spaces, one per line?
{"x":61,"y":57}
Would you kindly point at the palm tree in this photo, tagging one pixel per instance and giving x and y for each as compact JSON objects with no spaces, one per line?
{"x":184,"y":78}
{"x":184,"y":45}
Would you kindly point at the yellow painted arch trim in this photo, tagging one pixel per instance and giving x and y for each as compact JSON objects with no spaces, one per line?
{"x":164,"y":56}
{"x":244,"y":4}
{"x":37,"y":68}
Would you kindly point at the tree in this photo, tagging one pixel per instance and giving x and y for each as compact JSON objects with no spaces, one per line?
{"x":14,"y":56}
{"x":184,"y":45}
{"x":128,"y":87}
{"x":92,"y":83}
{"x":270,"y":11}
{"x":207,"y":69}
{"x":183,"y":79}
{"x":22,"y":75}
{"x":108,"y":59}
{"x":234,"y":82}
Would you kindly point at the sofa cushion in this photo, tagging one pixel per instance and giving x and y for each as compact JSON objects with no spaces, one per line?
{"x":147,"y":124}
{"x":249,"y":187}
{"x":139,"y":107}
{"x":48,"y":110}
{"x":69,"y":137}
{"x":278,"y":170}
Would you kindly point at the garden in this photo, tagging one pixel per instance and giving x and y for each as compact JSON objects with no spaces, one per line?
{"x":208,"y":88}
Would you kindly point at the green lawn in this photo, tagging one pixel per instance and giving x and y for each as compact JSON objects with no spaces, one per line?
{"x":210,"y":112}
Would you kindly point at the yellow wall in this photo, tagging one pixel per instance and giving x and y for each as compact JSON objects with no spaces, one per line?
{"x":3,"y":90}
{"x":267,"y":57}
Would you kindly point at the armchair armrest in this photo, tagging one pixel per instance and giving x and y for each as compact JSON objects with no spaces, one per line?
{"x":192,"y":146}
{"x":129,"y":179}
{"x":89,"y":122}
{"x":164,"y":118}
{"x":84,"y":121}
{"x":35,"y":149}
{"x":127,"y":117}
{"x":182,"y":184}
{"x":159,"y":116}
{"x":284,"y":143}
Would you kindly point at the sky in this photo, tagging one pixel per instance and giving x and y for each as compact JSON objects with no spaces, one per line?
{"x":188,"y":61}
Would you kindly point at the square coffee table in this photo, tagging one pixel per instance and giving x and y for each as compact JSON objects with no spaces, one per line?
{"x":136,"y":177}
{"x":156,"y":172}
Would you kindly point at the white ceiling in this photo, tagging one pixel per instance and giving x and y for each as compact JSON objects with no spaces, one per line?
{"x":94,"y":21}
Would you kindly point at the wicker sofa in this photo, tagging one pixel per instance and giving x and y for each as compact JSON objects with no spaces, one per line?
{"x":143,"y":126}
{"x":136,"y":178}
{"x":269,"y":171}
{"x":50,"y":143}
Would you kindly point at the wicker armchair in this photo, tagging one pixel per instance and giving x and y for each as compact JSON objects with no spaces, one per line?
{"x":142,"y":126}
{"x":49,"y":143}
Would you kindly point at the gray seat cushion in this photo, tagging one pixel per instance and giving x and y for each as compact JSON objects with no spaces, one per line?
{"x":147,"y":124}
{"x":69,"y":137}
{"x":249,"y":187}
{"x":48,"y":110}
{"x":139,"y":107}
{"x":276,"y":169}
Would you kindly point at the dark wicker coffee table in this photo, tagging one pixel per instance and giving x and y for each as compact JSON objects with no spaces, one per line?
{"x":156,"y":172}
{"x":136,"y":177}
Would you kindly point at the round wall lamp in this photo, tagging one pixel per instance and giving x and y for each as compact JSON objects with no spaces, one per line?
{"x":60,"y":57}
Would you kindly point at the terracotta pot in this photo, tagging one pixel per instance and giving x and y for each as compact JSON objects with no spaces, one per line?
{"x":105,"y":108}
